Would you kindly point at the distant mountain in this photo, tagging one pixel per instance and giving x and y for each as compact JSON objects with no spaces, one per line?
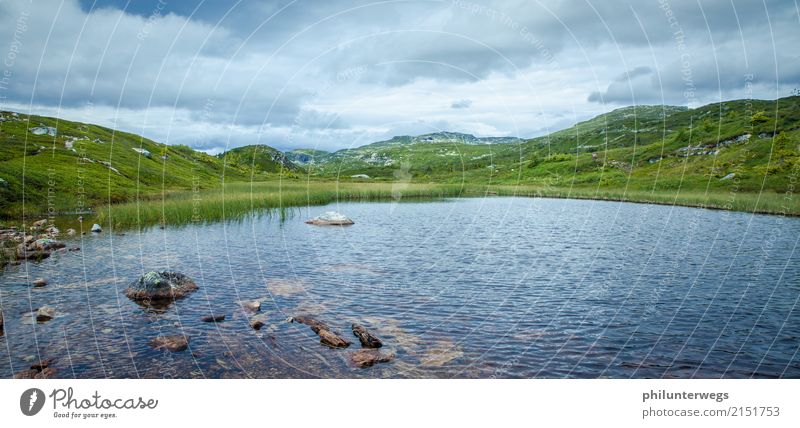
{"x":259,"y":157}
{"x":443,"y":138}
{"x":307,"y":156}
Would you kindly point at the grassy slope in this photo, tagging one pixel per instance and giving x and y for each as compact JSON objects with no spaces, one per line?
{"x":62,"y":179}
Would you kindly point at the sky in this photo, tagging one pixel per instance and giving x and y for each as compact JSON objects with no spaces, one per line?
{"x":336,"y":74}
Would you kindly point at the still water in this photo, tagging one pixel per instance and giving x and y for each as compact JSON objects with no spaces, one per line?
{"x":495,"y":287}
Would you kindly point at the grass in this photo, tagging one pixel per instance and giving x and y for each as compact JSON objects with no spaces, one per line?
{"x":237,"y":200}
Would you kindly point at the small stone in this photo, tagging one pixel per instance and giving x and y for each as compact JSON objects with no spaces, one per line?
{"x":40,"y":223}
{"x":71,"y":232}
{"x":45,"y":313}
{"x":96,"y":228}
{"x":257,"y":322}
{"x":175,"y":343}
{"x":41,"y":365}
{"x":40,"y":282}
{"x":213,"y":318}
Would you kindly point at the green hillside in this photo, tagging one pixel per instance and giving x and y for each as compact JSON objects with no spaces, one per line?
{"x":58,"y":166}
{"x":259,"y":158}
{"x":642,"y":148}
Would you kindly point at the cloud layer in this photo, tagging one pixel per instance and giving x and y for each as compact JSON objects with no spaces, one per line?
{"x":336,"y":74}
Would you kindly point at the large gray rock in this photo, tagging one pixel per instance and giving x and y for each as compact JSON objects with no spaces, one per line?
{"x":160,"y":286}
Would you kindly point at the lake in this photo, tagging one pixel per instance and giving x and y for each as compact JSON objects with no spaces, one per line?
{"x":464,"y":288}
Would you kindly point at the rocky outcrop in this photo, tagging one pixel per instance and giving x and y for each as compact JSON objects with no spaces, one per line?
{"x":363,"y":358}
{"x":330,"y":218}
{"x":326,"y":335}
{"x":367,"y":339}
{"x":160,"y":287}
{"x":175,"y":343}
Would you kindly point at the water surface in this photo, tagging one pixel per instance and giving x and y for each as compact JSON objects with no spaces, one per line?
{"x":495,"y":287}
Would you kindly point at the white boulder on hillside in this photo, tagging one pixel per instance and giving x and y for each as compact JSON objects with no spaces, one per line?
{"x":331,"y":218}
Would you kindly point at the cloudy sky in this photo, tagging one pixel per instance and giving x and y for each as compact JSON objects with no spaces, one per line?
{"x":335,"y":74}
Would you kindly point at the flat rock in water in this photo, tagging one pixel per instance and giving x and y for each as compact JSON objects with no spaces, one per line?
{"x":251,"y":306}
{"x":47,"y":244}
{"x":213,"y":318}
{"x":45,"y":313}
{"x":326,"y":336}
{"x":367,"y":339}
{"x":160,"y":286}
{"x":309,"y":321}
{"x":369,"y":357}
{"x":329,"y":338}
{"x":39,"y":282}
{"x":174,"y":343}
{"x":331,"y":218}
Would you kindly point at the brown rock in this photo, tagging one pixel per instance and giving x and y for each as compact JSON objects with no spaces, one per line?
{"x":39,"y":282}
{"x":311,"y":322}
{"x":213,"y":318}
{"x":174,"y":343}
{"x":369,"y":357}
{"x":46,"y":373}
{"x":367,"y":339}
{"x":26,"y":374}
{"x":45,"y":313}
{"x":41,"y":365}
{"x":329,"y":338}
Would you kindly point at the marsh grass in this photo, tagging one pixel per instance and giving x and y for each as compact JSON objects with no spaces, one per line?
{"x":237,"y":200}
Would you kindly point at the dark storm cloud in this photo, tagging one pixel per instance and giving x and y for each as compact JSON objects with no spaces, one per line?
{"x":273,"y":69}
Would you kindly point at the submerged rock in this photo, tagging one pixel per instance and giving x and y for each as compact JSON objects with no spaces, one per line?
{"x":363,"y":358}
{"x":213,"y":318}
{"x":326,"y":336}
{"x":367,"y":339}
{"x":175,"y":343}
{"x":45,"y":313}
{"x":331,"y":218}
{"x":39,"y":282}
{"x":160,"y":286}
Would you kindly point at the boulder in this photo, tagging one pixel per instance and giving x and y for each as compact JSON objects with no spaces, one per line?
{"x":45,"y":313}
{"x":367,"y":339}
{"x":331,"y":218}
{"x":363,"y":358}
{"x":47,"y":244}
{"x":175,"y":343}
{"x":96,"y":228}
{"x":39,"y":282}
{"x":160,"y":286}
